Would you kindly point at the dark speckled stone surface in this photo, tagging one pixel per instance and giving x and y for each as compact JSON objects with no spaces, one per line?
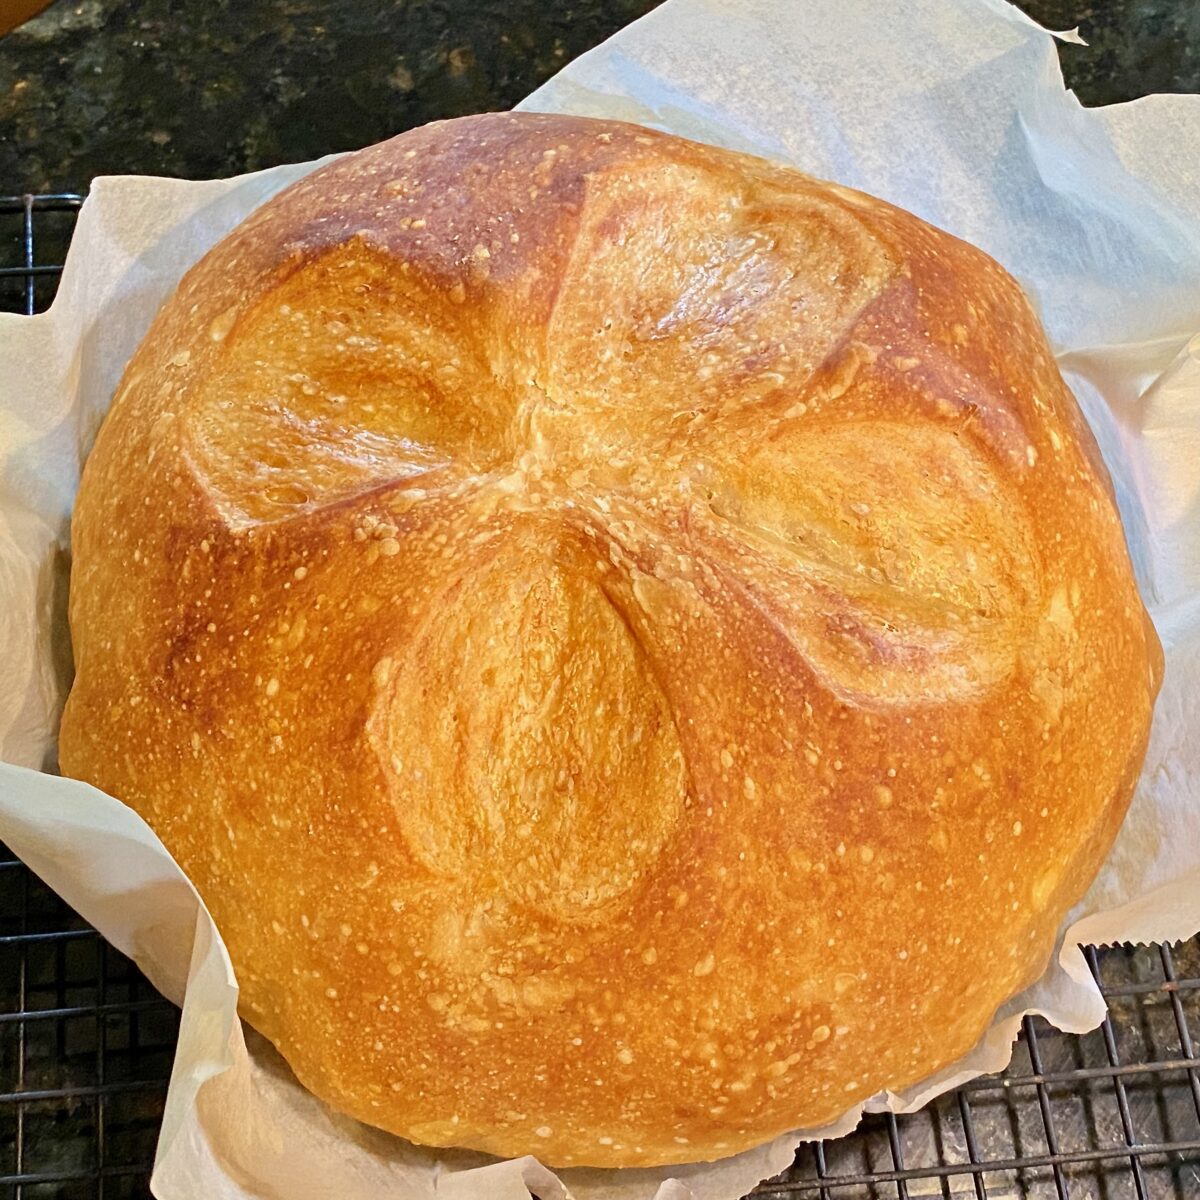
{"x":1135,"y":47}
{"x":199,"y":89}
{"x":209,"y":88}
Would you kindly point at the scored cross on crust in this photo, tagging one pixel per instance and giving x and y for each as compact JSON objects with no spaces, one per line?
{"x":634,"y":645}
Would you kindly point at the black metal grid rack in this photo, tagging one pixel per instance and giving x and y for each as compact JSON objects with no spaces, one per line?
{"x":86,"y":1043}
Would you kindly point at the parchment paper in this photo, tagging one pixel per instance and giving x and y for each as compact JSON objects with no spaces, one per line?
{"x":954,"y":109}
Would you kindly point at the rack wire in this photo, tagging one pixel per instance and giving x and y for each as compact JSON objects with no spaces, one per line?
{"x":86,"y":1043}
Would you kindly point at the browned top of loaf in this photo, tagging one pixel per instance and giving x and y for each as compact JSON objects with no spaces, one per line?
{"x":634,"y":645}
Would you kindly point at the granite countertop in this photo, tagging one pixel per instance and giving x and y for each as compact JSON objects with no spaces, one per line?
{"x":93,"y":87}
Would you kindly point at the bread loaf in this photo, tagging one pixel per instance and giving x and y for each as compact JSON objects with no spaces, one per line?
{"x":634,"y":645}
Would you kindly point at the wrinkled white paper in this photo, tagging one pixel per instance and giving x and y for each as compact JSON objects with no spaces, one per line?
{"x":953,"y":109}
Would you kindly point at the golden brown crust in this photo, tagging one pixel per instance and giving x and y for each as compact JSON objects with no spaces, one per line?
{"x":634,"y":645}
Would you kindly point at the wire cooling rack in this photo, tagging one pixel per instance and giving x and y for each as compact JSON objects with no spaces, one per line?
{"x":86,"y":1043}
